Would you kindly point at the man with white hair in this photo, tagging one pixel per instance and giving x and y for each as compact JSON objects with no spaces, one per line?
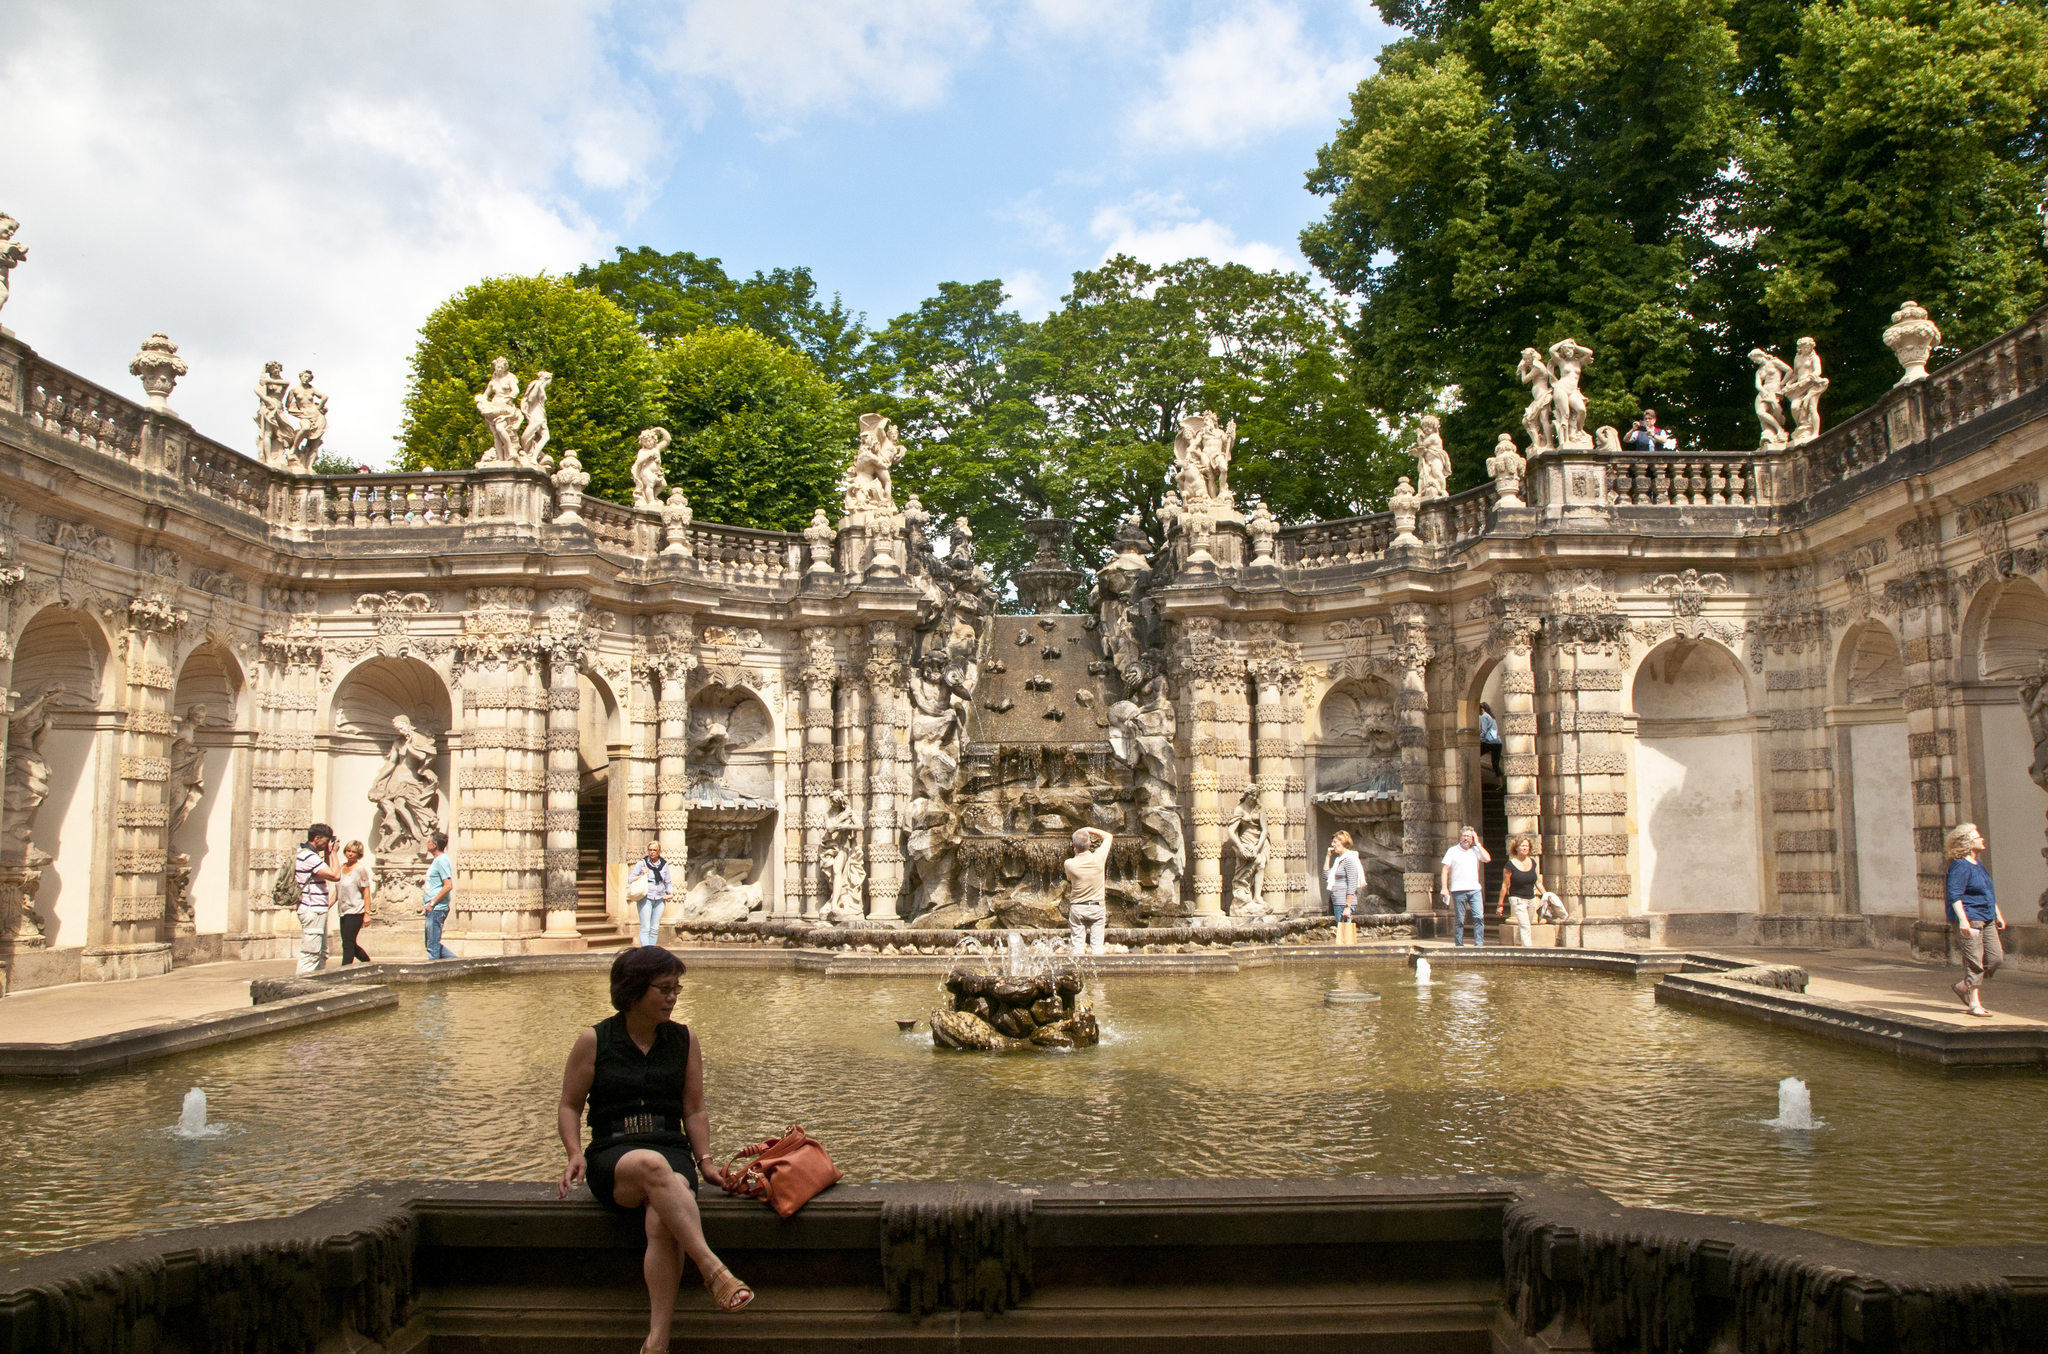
{"x":1087,"y":892}
{"x":1460,"y":886}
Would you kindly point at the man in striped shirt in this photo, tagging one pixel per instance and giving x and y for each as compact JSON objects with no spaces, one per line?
{"x":316,"y":872}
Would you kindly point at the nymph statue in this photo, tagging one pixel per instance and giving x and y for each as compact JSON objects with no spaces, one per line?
{"x":1567,"y":404}
{"x":1433,"y":462}
{"x":499,"y":405}
{"x":28,"y":772}
{"x":1771,"y":372}
{"x":188,"y":767}
{"x":406,"y":789}
{"x":1540,"y":417}
{"x":309,"y":407}
{"x":1202,"y":455}
{"x":275,"y":435}
{"x":842,"y":870}
{"x":1804,"y":391}
{"x":649,"y":483}
{"x":534,"y":407}
{"x":1253,"y":844}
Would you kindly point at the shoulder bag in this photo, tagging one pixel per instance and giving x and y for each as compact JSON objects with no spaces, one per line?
{"x":785,"y":1173}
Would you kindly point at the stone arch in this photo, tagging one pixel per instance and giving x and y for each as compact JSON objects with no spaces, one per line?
{"x":54,"y":744}
{"x":1868,"y":670}
{"x":1357,"y":785}
{"x":207,"y":706}
{"x":1698,"y":815}
{"x":2009,"y":639}
{"x":728,"y":758}
{"x":362,"y":732}
{"x":2005,"y":644}
{"x":1873,"y":777}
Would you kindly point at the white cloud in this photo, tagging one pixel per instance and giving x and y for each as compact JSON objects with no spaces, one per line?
{"x":1242,"y":77}
{"x":305,"y":190}
{"x":1029,"y":293}
{"x":1162,"y":228}
{"x":789,"y":59}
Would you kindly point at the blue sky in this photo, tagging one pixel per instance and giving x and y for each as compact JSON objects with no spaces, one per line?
{"x":260,"y":182}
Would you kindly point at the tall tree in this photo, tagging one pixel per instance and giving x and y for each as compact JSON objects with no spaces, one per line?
{"x":1674,"y":182}
{"x":761,"y":437}
{"x":604,"y":372}
{"x":671,"y":295}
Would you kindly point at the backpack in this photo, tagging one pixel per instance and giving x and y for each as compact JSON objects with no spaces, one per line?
{"x":284,"y":890}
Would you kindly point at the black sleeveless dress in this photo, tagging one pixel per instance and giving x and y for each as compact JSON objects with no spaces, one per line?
{"x":636,"y":1102}
{"x":1521,"y":882}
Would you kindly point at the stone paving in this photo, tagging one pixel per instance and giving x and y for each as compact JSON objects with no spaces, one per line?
{"x":1887,"y":979}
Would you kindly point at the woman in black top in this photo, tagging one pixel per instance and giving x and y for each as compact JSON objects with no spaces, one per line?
{"x":1520,"y":883}
{"x":643,"y":1078}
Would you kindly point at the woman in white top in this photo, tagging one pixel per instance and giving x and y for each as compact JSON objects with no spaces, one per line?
{"x":353,"y":891}
{"x":1343,"y":876}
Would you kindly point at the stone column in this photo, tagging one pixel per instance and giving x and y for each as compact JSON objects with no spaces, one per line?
{"x":137,"y":940}
{"x":1935,"y":747}
{"x":671,"y":776}
{"x":526,"y":796}
{"x":498,"y":841}
{"x":789,"y":800}
{"x":850,"y":726}
{"x":281,"y":778}
{"x":1586,"y":852}
{"x":13,"y":862}
{"x":1419,"y":832}
{"x":1275,"y":669}
{"x":888,"y":722}
{"x":819,"y":668}
{"x":1202,"y":668}
{"x":1802,"y":795}
{"x":642,"y":767}
{"x":1520,"y":799}
{"x":564,"y":736}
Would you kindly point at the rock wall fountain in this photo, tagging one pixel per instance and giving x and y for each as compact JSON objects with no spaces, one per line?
{"x":1004,"y":1013}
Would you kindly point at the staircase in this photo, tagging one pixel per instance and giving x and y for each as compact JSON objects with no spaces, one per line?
{"x":598,"y":930}
{"x":1493,"y":830}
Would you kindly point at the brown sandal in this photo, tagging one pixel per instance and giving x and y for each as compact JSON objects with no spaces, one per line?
{"x":726,"y":1290}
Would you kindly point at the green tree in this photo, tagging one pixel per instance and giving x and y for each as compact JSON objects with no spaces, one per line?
{"x":605,"y":388}
{"x":671,"y":295}
{"x":761,"y":437}
{"x":1674,"y":182}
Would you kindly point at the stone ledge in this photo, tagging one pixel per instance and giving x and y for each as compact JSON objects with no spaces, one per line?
{"x":2001,"y":1045}
{"x":117,"y":1052}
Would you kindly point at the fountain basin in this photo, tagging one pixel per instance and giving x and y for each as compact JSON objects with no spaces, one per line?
{"x":994,"y":1014}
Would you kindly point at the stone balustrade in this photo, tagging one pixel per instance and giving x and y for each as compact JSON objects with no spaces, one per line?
{"x":1686,"y":480}
{"x":369,"y":502}
{"x":76,"y":410}
{"x":744,"y":557}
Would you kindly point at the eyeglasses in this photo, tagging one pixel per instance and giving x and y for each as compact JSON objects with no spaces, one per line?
{"x":666,"y":989}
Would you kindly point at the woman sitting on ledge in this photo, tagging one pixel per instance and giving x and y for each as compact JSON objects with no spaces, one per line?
{"x":643,"y":1076}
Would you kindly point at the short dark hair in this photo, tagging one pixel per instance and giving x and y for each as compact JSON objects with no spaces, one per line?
{"x":319,"y":830}
{"x":638,"y":969}
{"x":440,"y":840}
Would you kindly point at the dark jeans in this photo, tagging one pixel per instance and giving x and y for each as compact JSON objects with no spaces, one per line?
{"x":1492,"y":752}
{"x":351,"y":926}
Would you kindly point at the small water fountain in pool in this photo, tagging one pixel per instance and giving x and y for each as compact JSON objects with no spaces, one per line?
{"x":192,"y":1118}
{"x":1033,"y":1001}
{"x":1421,"y":971}
{"x":1795,"y":1106}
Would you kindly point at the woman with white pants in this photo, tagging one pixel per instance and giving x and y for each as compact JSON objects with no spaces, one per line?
{"x":653,"y":898}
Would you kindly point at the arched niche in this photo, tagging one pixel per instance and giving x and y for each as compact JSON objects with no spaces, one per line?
{"x":1696,"y":802}
{"x":731,"y":795}
{"x":206,"y":708}
{"x":1873,"y":780}
{"x":1358,"y":784}
{"x":53,"y":750}
{"x":2007,"y":643}
{"x":363,"y":749}
{"x":598,"y":726}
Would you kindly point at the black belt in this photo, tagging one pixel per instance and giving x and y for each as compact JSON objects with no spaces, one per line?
{"x":638,"y":1123}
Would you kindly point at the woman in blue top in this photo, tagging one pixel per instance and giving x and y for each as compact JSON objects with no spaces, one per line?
{"x":1975,"y":908}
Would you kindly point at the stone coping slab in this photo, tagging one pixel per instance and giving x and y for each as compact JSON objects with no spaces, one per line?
{"x":1519,"y":1262}
{"x":2002,"y":1042}
{"x":122,"y":1050}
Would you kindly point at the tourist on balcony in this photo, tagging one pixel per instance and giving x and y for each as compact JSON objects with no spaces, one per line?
{"x":647,"y":888}
{"x":1088,"y":889}
{"x":1520,"y":885}
{"x":1461,"y":888}
{"x":1489,"y":737}
{"x":437,"y":894}
{"x":1343,"y":876}
{"x":315,"y":870}
{"x":1978,"y":919}
{"x":1645,"y":435}
{"x":352,"y":902}
{"x":642,"y":1077}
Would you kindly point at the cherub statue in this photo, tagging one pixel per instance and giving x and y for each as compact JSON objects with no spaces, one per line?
{"x":1202,"y":455}
{"x":309,"y":407}
{"x":275,"y":433}
{"x":1432,"y":461}
{"x":868,"y":489}
{"x":1771,"y":371}
{"x":1567,"y":404}
{"x":535,"y":409}
{"x":12,"y":252}
{"x":649,"y":483}
{"x":499,"y":405}
{"x":1804,"y":391}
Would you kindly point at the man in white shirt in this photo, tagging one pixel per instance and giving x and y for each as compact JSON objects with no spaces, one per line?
{"x":316,"y":871}
{"x":1462,"y":886}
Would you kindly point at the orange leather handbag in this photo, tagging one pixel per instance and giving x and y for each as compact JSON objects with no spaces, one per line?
{"x":786,"y":1172}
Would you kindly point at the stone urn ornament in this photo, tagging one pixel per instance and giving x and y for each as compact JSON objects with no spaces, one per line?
{"x":1507,"y":467}
{"x":1264,"y":529}
{"x":569,"y":484}
{"x":159,"y":366}
{"x":1912,"y":337}
{"x":1404,"y":503}
{"x":820,"y":536}
{"x":675,"y":523}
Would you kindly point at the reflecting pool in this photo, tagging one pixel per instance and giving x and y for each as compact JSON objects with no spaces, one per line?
{"x":1220,"y":1076}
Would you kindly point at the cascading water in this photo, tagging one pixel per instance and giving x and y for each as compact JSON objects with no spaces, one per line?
{"x":192,"y":1118}
{"x":1795,"y":1106}
{"x":1421,"y":972}
{"x":1016,"y":954}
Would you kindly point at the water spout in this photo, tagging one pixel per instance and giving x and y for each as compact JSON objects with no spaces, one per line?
{"x":1421,"y":972}
{"x":192,"y":1118}
{"x":1795,"y":1106}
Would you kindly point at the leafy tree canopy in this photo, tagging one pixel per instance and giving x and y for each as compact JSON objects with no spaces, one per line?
{"x":1674,"y":182}
{"x":761,"y":437}
{"x":671,"y":295}
{"x":604,"y":390}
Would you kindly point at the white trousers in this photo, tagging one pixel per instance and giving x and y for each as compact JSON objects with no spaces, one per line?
{"x":1518,"y":921}
{"x":312,"y":941}
{"x":1084,"y":924}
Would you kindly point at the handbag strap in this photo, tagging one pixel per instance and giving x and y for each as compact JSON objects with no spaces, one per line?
{"x":751,"y":1181}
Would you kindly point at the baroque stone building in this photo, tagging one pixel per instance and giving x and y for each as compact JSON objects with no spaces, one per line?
{"x":1742,"y":693}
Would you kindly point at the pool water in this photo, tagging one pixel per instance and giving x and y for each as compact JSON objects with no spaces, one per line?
{"x":1252,"y":1074}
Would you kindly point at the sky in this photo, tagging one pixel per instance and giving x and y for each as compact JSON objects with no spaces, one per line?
{"x":306,"y":183}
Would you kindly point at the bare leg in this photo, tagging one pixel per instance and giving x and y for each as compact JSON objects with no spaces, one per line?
{"x":646,"y":1177}
{"x":663,"y":1269}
